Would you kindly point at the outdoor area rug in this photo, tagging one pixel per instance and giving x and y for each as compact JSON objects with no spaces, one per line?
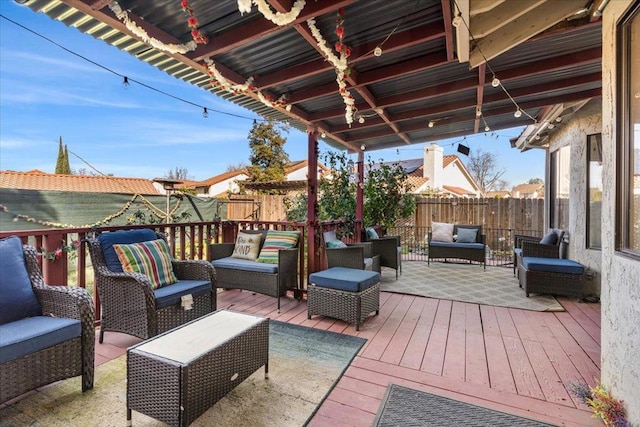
{"x":465,"y":282}
{"x":403,"y":406}
{"x":304,"y":365}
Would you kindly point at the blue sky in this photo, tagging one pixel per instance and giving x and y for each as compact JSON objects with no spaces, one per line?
{"x":47,"y":93}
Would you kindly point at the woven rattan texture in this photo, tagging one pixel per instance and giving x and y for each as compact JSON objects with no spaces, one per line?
{"x":543,"y":282}
{"x":352,"y":307}
{"x":177,"y":394}
{"x":68,"y":359}
{"x":403,"y":406}
{"x":128,"y":303}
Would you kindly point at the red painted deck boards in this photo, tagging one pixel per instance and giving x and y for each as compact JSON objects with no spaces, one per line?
{"x":511,"y":360}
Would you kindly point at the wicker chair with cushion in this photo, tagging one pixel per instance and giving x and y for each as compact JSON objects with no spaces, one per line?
{"x":388,"y":247}
{"x":46,"y":332}
{"x":352,"y":255}
{"x":548,"y":246}
{"x":132,"y":303}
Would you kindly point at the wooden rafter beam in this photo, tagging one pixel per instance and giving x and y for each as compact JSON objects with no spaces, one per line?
{"x":261,"y":27}
{"x":461,"y":10}
{"x":398,"y":41}
{"x":523,"y":28}
{"x":448,"y":29}
{"x":487,"y":23}
{"x":481,"y":6}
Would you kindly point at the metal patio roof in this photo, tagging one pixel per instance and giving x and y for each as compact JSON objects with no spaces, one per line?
{"x":546,"y":53}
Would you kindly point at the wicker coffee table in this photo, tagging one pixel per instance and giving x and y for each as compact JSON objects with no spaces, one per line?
{"x":177,"y":376}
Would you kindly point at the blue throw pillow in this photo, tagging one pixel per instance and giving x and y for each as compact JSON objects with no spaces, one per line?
{"x":17,"y":299}
{"x":126,"y":237}
{"x":467,"y":235}
{"x":372,"y":234}
{"x":332,"y":244}
{"x":551,"y":238}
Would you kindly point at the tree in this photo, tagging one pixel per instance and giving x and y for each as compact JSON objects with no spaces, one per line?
{"x":268,"y":158}
{"x":535,"y":181}
{"x":178,"y":173}
{"x":237,"y":167}
{"x":62,"y":162}
{"x":483,"y":166}
{"x":386,"y":195}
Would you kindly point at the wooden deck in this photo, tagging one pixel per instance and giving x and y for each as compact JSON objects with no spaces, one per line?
{"x":512,"y":360}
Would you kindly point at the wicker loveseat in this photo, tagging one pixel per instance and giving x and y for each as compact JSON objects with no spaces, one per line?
{"x":452,"y":245}
{"x":46,"y":332}
{"x":268,"y":278}
{"x":129,"y":302}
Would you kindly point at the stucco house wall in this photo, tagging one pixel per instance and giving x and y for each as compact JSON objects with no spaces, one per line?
{"x":573,"y":133}
{"x":453,"y":175}
{"x":620,"y":274}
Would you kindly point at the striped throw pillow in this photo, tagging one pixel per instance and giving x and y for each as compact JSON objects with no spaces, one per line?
{"x":149,"y":258}
{"x":275,"y":241}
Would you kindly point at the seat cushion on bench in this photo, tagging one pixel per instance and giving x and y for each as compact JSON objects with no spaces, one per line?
{"x":32,"y":334}
{"x":345,"y":279}
{"x":457,"y":245}
{"x":552,"y":265}
{"x":243,"y":264}
{"x":171,"y":294}
{"x":17,"y":299}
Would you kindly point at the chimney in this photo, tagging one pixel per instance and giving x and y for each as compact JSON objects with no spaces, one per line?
{"x":432,"y":166}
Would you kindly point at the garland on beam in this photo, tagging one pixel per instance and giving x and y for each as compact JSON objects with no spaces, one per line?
{"x":197,"y":35}
{"x":123,"y":16}
{"x":278,"y":18}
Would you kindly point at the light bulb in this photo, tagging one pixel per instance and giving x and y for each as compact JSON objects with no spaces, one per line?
{"x":205,"y":113}
{"x":495,"y":82}
{"x":377,"y":51}
{"x":457,"y":21}
{"x":431,"y":123}
{"x":478,"y":112}
{"x":518,"y":113}
{"x":323,"y":135}
{"x":551,"y":125}
{"x":487,"y":128}
{"x":363,"y":147}
{"x":361,"y":120}
{"x":125,"y":82}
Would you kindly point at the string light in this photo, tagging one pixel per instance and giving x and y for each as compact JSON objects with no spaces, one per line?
{"x":518,"y":113}
{"x":487,"y":128}
{"x":431,"y":123}
{"x":361,"y":120}
{"x":495,"y":82}
{"x":377,"y":51}
{"x":323,"y":135}
{"x":457,"y":21}
{"x":205,"y":113}
{"x":478,"y":111}
{"x":363,"y":147}
{"x":125,"y":82}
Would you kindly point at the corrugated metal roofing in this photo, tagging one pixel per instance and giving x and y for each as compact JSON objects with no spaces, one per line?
{"x":249,"y":45}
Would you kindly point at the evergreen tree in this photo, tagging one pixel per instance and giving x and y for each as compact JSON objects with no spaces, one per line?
{"x":60,"y":160}
{"x":268,"y":158}
{"x":66,"y":166}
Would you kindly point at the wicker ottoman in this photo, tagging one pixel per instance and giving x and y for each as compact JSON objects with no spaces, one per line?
{"x":344,"y":293}
{"x":555,"y":276}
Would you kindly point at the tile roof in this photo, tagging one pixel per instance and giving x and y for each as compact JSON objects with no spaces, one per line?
{"x":527,"y":188}
{"x":38,"y":180}
{"x":458,"y":190}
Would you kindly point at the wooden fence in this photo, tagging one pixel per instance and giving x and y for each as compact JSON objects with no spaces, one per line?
{"x":261,"y":207}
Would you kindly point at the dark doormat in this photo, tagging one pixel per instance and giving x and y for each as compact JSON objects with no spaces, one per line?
{"x":403,"y":406}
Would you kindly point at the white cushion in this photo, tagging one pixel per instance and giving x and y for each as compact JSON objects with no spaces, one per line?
{"x":442,"y":232}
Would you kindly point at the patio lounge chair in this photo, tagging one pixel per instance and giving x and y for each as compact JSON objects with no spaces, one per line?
{"x":46,"y":332}
{"x":130,"y":304}
{"x":351,"y":255}
{"x":388,"y":247}
{"x":548,"y":246}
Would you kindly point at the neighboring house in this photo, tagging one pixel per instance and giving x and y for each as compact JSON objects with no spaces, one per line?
{"x":528,"y":191}
{"x":38,"y":180}
{"x":436,"y":172}
{"x":220,"y":186}
{"x":500,"y":194}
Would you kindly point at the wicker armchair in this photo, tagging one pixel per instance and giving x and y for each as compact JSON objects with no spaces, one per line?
{"x":389,"y":248}
{"x":355,"y":255}
{"x":535,"y":248}
{"x":65,"y":359}
{"x":129,"y":302}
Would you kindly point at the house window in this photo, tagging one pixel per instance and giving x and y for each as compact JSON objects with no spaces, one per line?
{"x":628,"y":144}
{"x":594,"y":190}
{"x":560,"y":185}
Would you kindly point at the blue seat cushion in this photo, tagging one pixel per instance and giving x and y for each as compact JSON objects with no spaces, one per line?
{"x":246,"y":265}
{"x":107,"y":240}
{"x":457,"y":245}
{"x":32,"y":334}
{"x":552,"y":265}
{"x":345,"y":279}
{"x":171,"y":294}
{"x":17,"y":299}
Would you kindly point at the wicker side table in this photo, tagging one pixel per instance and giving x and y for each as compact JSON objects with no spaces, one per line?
{"x":344,"y":293}
{"x":175,"y":377}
